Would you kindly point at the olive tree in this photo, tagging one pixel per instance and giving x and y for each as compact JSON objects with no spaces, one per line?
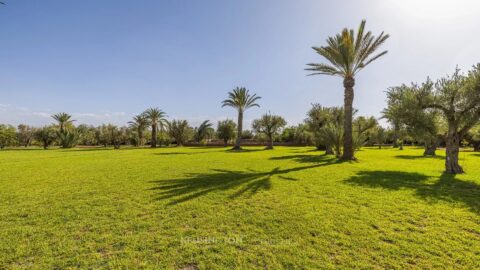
{"x":473,"y":137}
{"x":379,"y":136}
{"x":457,"y":98}
{"x":270,"y":125}
{"x":424,"y":124}
{"x":25,"y":134}
{"x":226,"y":130}
{"x":7,"y":136}
{"x":46,"y":135}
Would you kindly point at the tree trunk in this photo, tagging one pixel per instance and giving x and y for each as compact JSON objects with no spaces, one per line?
{"x":140,"y":138}
{"x":348,"y":83}
{"x":153,"y":143}
{"x":430,"y":149}
{"x":270,"y":143}
{"x":395,"y":136}
{"x":400,"y":146}
{"x":452,"y":150}
{"x":239,"y":131}
{"x":225,"y":142}
{"x":476,"y":146}
{"x":329,"y":150}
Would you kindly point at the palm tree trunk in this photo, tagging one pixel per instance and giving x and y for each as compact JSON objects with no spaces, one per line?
{"x":452,"y":150}
{"x":239,"y":131}
{"x":140,"y":138}
{"x":348,"y":154}
{"x":153,"y":143}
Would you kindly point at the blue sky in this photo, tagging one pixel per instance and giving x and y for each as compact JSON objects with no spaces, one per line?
{"x":104,"y":61}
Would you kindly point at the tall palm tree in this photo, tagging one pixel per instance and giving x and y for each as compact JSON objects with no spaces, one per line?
{"x":241,"y":100}
{"x":63,"y":119}
{"x":139,"y":123}
{"x":157,"y":119}
{"x":347,"y":54}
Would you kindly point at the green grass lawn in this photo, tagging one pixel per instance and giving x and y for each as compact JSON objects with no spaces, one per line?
{"x":214,"y":209}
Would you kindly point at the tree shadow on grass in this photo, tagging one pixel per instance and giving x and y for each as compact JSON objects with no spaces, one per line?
{"x":418,"y":157}
{"x":86,"y":149}
{"x":23,"y":149}
{"x":243,"y":150}
{"x":246,"y":182}
{"x":205,"y":152}
{"x":182,"y":153}
{"x":310,"y":150}
{"x":101,"y":148}
{"x":445,"y":188}
{"x":324,"y":159}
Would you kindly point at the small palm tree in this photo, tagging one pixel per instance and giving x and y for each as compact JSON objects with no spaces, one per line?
{"x":181,"y":131}
{"x":63,"y":119}
{"x":348,"y":54}
{"x":139,"y":124}
{"x":157,"y":119}
{"x":241,"y":100}
{"x":203,"y":131}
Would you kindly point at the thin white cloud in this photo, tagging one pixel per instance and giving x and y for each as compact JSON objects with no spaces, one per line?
{"x":42,"y":114}
{"x":15,"y":115}
{"x":22,"y":109}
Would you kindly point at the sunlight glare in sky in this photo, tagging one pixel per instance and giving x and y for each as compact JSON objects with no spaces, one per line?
{"x":436,"y":9}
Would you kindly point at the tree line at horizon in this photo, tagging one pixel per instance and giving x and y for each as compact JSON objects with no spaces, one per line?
{"x":142,"y":131}
{"x":444,"y":113}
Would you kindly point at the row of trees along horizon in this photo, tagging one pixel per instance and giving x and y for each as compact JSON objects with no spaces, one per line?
{"x":442,"y":113}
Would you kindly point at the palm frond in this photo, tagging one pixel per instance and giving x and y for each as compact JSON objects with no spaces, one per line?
{"x":241,"y":99}
{"x":348,"y":53}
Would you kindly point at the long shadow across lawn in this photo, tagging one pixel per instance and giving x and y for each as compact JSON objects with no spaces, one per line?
{"x":446,"y":188}
{"x":181,"y":153}
{"x":418,"y":157}
{"x":246,"y":182}
{"x":309,"y":158}
{"x":206,"y":152}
